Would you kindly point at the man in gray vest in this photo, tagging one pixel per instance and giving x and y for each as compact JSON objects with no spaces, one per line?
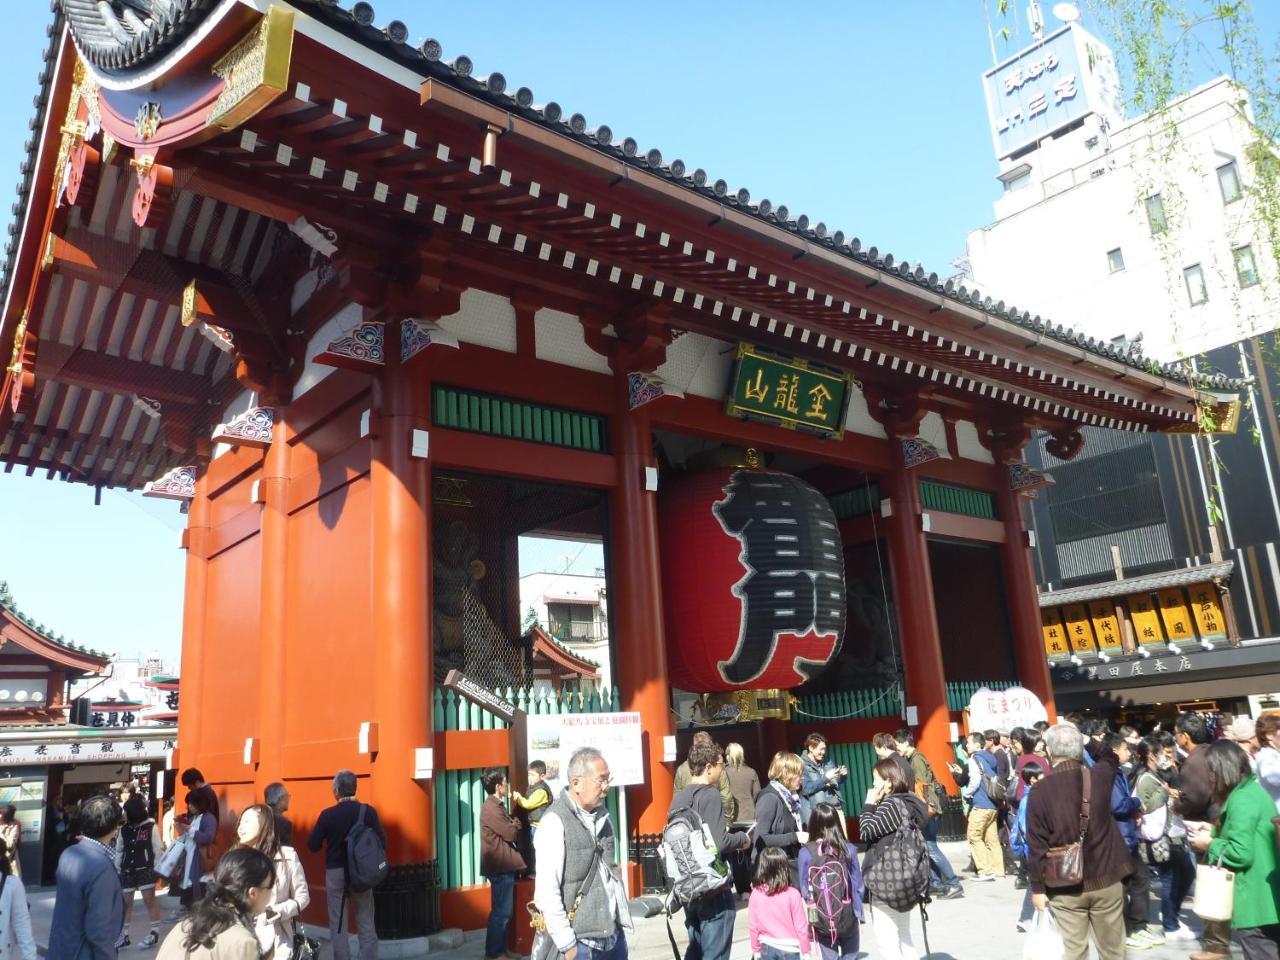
{"x":573,"y":848}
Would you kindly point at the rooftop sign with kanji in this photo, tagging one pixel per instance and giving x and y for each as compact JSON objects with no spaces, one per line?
{"x":789,"y":392}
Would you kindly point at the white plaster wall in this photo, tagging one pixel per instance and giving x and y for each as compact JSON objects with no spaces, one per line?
{"x":698,"y":366}
{"x":559,"y":339}
{"x":968,"y":445}
{"x":484,"y":319}
{"x":341,"y":322}
{"x":858,"y":419}
{"x":241,"y":404}
{"x":934,"y":429}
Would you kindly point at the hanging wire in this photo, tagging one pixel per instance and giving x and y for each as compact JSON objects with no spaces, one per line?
{"x":897,"y":685}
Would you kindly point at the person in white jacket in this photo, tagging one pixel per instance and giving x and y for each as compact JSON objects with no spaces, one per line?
{"x":275,"y":927}
{"x":16,"y":940}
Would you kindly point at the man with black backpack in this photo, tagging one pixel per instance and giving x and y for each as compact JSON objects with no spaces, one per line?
{"x":352,"y":837}
{"x":695,"y":841}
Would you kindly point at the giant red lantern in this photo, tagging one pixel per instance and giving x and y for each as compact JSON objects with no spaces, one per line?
{"x":753,"y":580}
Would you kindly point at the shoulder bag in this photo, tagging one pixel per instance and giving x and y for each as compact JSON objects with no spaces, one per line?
{"x":539,"y":922}
{"x":1064,"y":865}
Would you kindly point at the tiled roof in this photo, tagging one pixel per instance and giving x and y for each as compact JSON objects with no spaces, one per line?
{"x":7,"y":604}
{"x":120,"y":36}
{"x":124,"y":42}
{"x":1182,"y":577}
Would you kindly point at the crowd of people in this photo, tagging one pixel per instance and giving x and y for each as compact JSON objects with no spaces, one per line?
{"x":1090,"y":822}
{"x":1159,"y":801}
{"x":240,"y":895}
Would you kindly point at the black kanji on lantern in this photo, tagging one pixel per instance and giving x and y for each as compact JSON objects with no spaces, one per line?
{"x":795,"y":568}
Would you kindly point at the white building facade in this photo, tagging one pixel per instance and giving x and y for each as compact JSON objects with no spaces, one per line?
{"x":573,"y":609}
{"x":1112,"y":227}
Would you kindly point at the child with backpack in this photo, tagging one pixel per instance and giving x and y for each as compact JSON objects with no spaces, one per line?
{"x":831,"y":885}
{"x":896,"y":866}
{"x":775,"y":913}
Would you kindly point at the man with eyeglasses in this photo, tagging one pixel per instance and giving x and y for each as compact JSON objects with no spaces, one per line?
{"x":578,"y":890}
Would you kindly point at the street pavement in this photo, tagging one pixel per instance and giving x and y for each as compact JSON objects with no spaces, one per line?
{"x":980,"y":926}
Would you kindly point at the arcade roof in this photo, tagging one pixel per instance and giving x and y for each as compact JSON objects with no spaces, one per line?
{"x":1148,"y":583}
{"x":612,"y":224}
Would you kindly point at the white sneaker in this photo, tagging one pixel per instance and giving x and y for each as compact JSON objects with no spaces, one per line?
{"x":1182,"y":933}
{"x":1137,"y":942}
{"x":983,"y":878}
{"x":1154,"y":937}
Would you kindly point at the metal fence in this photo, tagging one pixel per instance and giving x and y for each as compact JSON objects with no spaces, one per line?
{"x":459,"y":793}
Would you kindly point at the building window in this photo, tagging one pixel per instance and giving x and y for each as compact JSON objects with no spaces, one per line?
{"x":1115,"y":260}
{"x":1105,"y":495}
{"x":573,"y":621}
{"x":1246,"y":271}
{"x":1229,"y":182}
{"x":1155,"y":214}
{"x":1197,"y":293}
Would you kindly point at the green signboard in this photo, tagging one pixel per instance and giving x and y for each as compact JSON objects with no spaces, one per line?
{"x":789,"y":392}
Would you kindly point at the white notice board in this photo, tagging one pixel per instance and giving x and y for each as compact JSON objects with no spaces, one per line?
{"x":553,"y":738}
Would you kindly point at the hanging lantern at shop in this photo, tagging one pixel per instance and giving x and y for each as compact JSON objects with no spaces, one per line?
{"x":753,"y":580}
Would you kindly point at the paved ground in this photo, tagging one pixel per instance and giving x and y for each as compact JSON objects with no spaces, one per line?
{"x":978,"y":927}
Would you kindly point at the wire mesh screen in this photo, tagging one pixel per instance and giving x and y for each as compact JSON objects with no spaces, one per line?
{"x":480,"y":619}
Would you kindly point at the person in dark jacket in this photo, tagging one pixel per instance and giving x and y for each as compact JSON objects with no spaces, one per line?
{"x":826,"y":827}
{"x":821,"y":776}
{"x":276,"y":797}
{"x":778,"y":822}
{"x":500,"y":861}
{"x":1095,"y":906}
{"x":88,"y":913}
{"x":1195,"y":805}
{"x":331,"y":829}
{"x":709,"y":919}
{"x":889,"y":805}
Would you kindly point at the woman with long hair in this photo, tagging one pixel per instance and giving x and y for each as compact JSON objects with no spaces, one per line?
{"x":221,"y":924}
{"x":1179,"y":870}
{"x":837,"y":933}
{"x":778,"y":822}
{"x":290,"y":896}
{"x":744,"y":784}
{"x":202,"y":828}
{"x":890,"y":805}
{"x":137,"y":851}
{"x":1244,"y":842}
{"x":11,"y":834}
{"x":15,"y":917}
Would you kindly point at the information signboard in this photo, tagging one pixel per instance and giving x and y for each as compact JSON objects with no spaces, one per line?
{"x":789,"y":392}
{"x":553,"y":738}
{"x":1050,"y":85}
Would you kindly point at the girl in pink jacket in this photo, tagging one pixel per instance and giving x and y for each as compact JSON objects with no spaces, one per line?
{"x":775,"y":914}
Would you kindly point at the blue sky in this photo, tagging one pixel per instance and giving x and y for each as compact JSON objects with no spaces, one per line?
{"x":866,"y":116}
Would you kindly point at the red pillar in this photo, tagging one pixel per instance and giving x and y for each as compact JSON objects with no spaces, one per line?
{"x":921,"y":646}
{"x":1023,"y":600}
{"x":273,"y":693}
{"x":401,"y":632}
{"x":635,"y":596}
{"x":191,"y":694}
